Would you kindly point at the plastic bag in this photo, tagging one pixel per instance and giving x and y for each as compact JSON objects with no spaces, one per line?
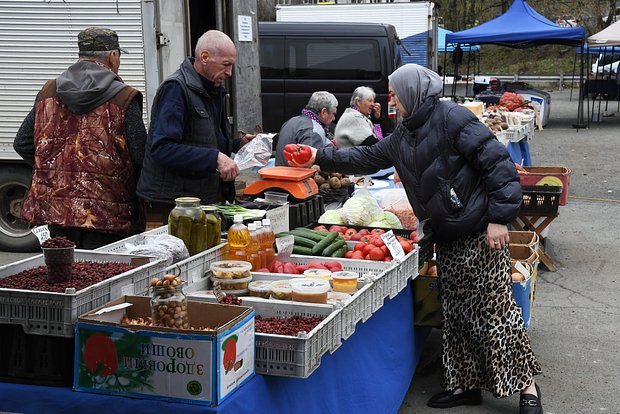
{"x":165,"y":246}
{"x":255,"y":153}
{"x":395,"y":200}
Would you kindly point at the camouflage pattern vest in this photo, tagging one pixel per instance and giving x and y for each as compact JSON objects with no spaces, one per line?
{"x":83,"y":176}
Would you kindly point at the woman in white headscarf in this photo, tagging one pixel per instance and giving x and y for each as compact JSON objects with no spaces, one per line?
{"x":460,"y":179}
{"x":355,"y":126}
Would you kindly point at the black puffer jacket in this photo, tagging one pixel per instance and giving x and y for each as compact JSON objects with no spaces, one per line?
{"x":454,"y":170}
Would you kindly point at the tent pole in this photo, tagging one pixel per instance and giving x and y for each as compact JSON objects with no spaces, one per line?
{"x":572,"y":85}
{"x":467,"y":80}
{"x":443,"y":93}
{"x":580,"y":123}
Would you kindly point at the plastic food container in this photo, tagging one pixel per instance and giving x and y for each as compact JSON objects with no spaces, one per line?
{"x":260,"y":288}
{"x":231,"y":269}
{"x":310,"y":290}
{"x":274,"y":197}
{"x":345,"y":281}
{"x":318,"y":274}
{"x":337,"y":297}
{"x":281,"y":289}
{"x":232,"y":284}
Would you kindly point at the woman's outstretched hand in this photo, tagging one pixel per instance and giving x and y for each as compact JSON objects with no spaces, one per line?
{"x":299,"y":155}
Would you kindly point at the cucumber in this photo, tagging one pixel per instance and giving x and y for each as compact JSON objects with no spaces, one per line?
{"x":329,"y":250}
{"x":308,"y":234}
{"x":302,"y":250}
{"x":340,"y":252}
{"x":321,"y":245}
{"x":282,"y":234}
{"x":304,"y":242}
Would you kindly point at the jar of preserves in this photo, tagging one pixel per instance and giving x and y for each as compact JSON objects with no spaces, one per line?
{"x":188,"y":222}
{"x":169,"y":304}
{"x":214,"y":226}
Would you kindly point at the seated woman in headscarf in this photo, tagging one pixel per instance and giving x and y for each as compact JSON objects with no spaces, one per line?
{"x":355,"y":127}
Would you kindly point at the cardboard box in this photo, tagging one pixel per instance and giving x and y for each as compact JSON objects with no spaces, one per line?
{"x":190,"y":366}
{"x":426,"y":303}
{"x":539,"y":176}
{"x":524,"y":238}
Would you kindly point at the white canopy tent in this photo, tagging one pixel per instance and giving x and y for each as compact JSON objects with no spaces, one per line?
{"x":610,"y":36}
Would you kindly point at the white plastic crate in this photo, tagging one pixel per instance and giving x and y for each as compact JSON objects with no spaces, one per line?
{"x":408,"y":268}
{"x":137,"y":239}
{"x":516,"y":133}
{"x":357,"y":309}
{"x":53,"y":314}
{"x":194,"y":268}
{"x":289,"y":356}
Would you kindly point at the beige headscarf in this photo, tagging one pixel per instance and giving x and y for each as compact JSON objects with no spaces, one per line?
{"x":413,"y":83}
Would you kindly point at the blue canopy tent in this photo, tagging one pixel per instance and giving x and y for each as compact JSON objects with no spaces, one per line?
{"x":443,"y":48}
{"x":522,"y":27}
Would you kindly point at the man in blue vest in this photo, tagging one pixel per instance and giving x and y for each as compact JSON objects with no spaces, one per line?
{"x":190,"y":138}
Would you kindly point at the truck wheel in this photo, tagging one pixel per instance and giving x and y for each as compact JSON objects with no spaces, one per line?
{"x":15,"y":235}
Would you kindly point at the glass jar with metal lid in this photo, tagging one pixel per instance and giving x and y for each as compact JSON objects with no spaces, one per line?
{"x":188,"y":222}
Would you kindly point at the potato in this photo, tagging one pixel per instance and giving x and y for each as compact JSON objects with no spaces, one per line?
{"x":319,"y":179}
{"x":337,"y":175}
{"x":345,"y":182}
{"x":334,"y":182}
{"x":324,"y":187}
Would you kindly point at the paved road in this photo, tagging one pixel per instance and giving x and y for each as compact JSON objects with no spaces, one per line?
{"x":576,"y":315}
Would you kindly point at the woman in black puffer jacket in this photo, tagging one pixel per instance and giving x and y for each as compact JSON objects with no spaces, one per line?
{"x":460,"y":179}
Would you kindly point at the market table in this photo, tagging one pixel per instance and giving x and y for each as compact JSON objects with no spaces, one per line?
{"x":370,"y":372}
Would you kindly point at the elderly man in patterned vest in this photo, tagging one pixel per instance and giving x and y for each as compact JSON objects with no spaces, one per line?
{"x":84,"y":139}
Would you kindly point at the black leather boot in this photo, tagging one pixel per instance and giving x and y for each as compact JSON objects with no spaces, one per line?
{"x":530,"y":404}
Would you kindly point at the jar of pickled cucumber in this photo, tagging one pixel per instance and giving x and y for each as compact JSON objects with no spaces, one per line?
{"x":214,"y":226}
{"x":188,"y":222}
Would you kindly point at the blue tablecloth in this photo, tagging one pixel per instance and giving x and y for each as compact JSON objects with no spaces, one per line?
{"x":369,"y":373}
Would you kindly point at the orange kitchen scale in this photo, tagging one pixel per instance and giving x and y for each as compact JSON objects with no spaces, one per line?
{"x":295,"y":181}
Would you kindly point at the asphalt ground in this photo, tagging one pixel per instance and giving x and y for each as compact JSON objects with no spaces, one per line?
{"x":575,"y":320}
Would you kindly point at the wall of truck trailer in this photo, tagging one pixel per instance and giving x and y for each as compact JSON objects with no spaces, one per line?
{"x":38,"y":41}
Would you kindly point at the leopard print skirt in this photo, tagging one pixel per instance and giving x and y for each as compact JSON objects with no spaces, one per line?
{"x":484,"y":341}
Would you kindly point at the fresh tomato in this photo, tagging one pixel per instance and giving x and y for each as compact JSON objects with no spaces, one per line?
{"x":356,"y":237}
{"x":388,"y":259}
{"x":414,"y":237}
{"x":406,"y":244}
{"x":290,"y":268}
{"x":385,"y":250}
{"x":359,"y":246}
{"x":368,"y":248}
{"x":349,"y":254}
{"x":377,"y":231}
{"x":364,"y":232}
{"x":350,"y":232}
{"x":376,"y":254}
{"x":333,"y":265}
{"x":378,"y":242}
{"x":302,"y":268}
{"x":364,"y":238}
{"x":358,"y":255}
{"x":263,"y":270}
{"x":320,"y":228}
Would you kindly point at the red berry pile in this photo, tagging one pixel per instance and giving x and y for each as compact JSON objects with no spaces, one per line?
{"x":57,"y":243}
{"x":84,"y":274}
{"x":230,"y":300}
{"x":286,"y":326}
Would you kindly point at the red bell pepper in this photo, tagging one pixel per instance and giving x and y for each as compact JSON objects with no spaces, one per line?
{"x":300,"y":154}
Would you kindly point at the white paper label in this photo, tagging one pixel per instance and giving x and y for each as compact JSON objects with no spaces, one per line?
{"x":279,"y":217}
{"x":285,"y":246}
{"x":42,"y":233}
{"x":522,"y":269}
{"x":244,"y":25}
{"x":393,"y":245}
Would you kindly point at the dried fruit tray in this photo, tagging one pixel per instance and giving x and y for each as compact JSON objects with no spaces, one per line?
{"x":283,"y":355}
{"x":50,"y":313}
